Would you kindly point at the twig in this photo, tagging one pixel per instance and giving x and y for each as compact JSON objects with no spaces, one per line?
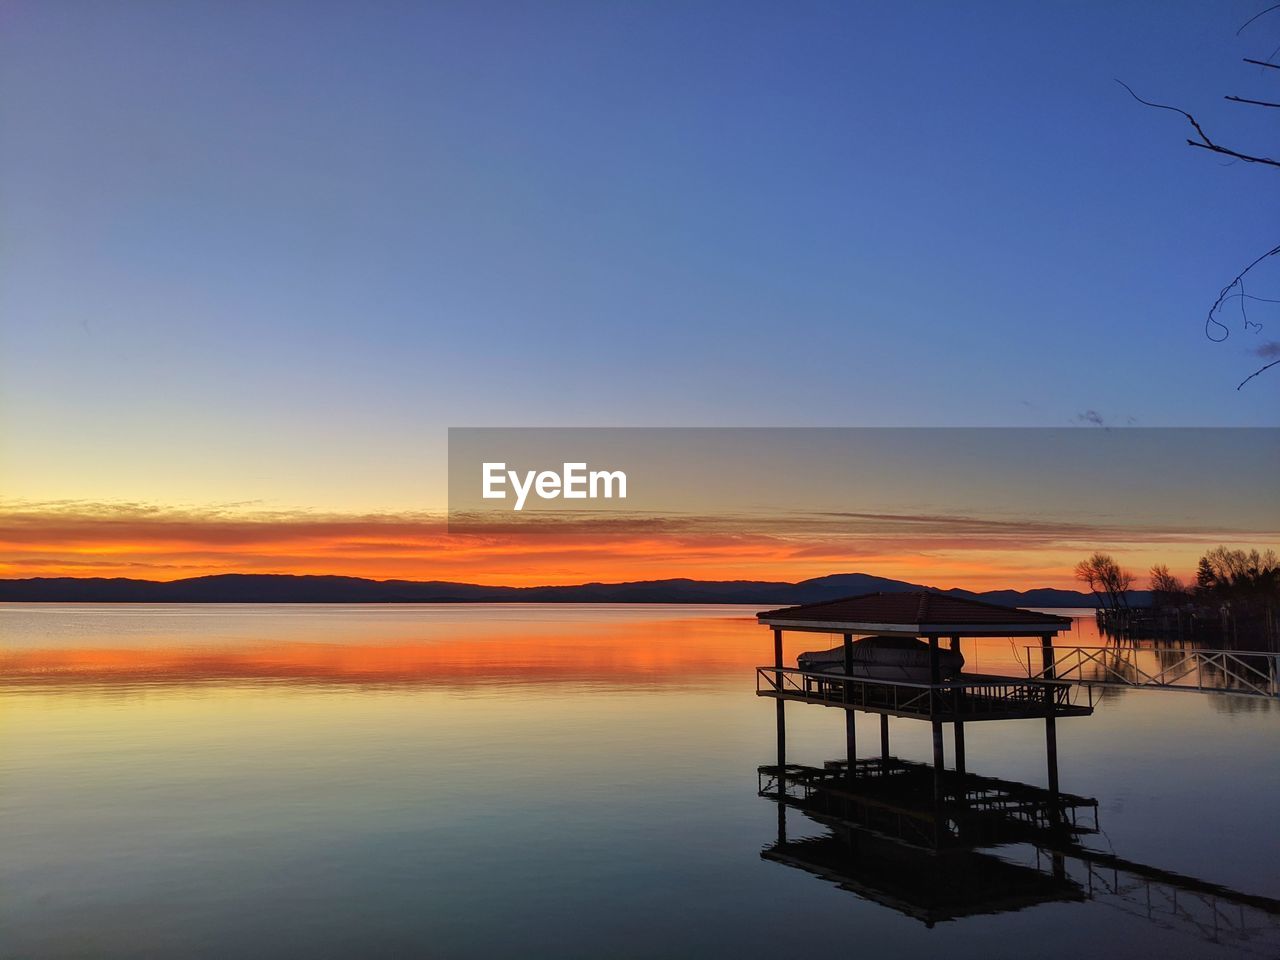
{"x":1226,"y":291}
{"x":1205,"y":143}
{"x":1227,"y":151}
{"x":1250,"y":296}
{"x":1260,"y":13}
{"x":1262,"y":369}
{"x":1262,"y":63}
{"x":1256,"y":103}
{"x":1165,"y":106}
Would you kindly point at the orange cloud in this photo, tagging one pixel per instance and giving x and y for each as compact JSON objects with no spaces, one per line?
{"x":165,"y":543}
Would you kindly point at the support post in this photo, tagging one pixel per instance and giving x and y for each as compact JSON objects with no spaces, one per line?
{"x":1051,"y":752}
{"x":1050,"y":722}
{"x":850,"y":733}
{"x":781,"y":707}
{"x":782,"y":764}
{"x":938,"y":761}
{"x":884,"y":736}
{"x":952,"y":696}
{"x":960,"y":748}
{"x":1046,"y":656}
{"x":935,"y":678}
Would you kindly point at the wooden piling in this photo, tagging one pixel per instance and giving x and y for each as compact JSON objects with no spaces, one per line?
{"x":1051,"y":751}
{"x":850,"y":724}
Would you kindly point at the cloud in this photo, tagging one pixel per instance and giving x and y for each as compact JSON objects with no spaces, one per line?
{"x":152,"y":541}
{"x":1091,"y":416}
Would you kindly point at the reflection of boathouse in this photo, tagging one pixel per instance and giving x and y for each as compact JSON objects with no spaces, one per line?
{"x":982,"y":845}
{"x":893,"y":841}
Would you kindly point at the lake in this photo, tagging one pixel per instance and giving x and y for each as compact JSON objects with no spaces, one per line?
{"x":555,"y":780}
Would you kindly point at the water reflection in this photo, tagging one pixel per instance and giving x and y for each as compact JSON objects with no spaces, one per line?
{"x":944,"y":845}
{"x":543,"y":781}
{"x":462,"y":647}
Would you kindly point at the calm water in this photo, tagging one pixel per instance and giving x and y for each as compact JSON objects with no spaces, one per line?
{"x":542,"y":780}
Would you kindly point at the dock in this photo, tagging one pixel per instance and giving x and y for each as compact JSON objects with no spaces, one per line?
{"x":1248,"y":673}
{"x":939,"y":700}
{"x":977,"y":697}
{"x":940,"y":844}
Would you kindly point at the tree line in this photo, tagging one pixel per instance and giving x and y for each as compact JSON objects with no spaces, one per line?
{"x":1244,"y":578}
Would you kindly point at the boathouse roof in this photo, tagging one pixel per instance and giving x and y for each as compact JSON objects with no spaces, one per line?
{"x":918,"y":613}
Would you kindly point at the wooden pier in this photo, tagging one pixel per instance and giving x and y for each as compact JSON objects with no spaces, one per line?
{"x":976,"y":697}
{"x":1250,"y":673}
{"x":919,"y":837}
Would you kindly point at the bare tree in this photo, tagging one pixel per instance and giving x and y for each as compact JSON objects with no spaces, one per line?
{"x":1214,"y":328}
{"x":1165,"y":587}
{"x":1108,"y":581}
{"x":1223,"y":570}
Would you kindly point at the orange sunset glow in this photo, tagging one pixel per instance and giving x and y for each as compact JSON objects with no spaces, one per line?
{"x":414,"y":647}
{"x":148,"y":542}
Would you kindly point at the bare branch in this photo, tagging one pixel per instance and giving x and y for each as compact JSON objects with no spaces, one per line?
{"x":1256,"y":103}
{"x":1227,"y":151}
{"x":1262,"y":369}
{"x":1250,"y":296}
{"x":1205,"y":143}
{"x":1225,"y":295}
{"x":1236,"y":288}
{"x":1260,"y":13}
{"x":1164,"y":106}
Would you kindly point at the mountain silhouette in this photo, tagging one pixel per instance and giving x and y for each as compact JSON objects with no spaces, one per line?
{"x":285,"y":588}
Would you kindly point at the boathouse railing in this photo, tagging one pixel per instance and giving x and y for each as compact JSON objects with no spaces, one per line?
{"x":1247,"y":672}
{"x":954,"y":699}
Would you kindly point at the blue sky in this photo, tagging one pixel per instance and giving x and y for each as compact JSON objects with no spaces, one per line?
{"x":270,"y":251}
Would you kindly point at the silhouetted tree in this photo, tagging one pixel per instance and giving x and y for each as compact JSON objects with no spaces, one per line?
{"x":1238,"y":573}
{"x":1245,"y":586}
{"x":1106,"y":579}
{"x":1166,"y":589}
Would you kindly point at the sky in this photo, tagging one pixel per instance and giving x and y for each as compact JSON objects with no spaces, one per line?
{"x":257,"y":258}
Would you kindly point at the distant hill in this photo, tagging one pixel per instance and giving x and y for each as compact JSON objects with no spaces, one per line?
{"x":281,"y":588}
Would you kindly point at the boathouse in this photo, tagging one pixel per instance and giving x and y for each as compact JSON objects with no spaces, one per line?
{"x":933,"y":618}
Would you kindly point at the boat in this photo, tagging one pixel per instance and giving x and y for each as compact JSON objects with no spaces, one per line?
{"x":885,"y":658}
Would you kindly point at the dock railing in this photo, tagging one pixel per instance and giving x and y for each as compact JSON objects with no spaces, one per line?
{"x":1244,"y":672}
{"x":976,"y":696}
